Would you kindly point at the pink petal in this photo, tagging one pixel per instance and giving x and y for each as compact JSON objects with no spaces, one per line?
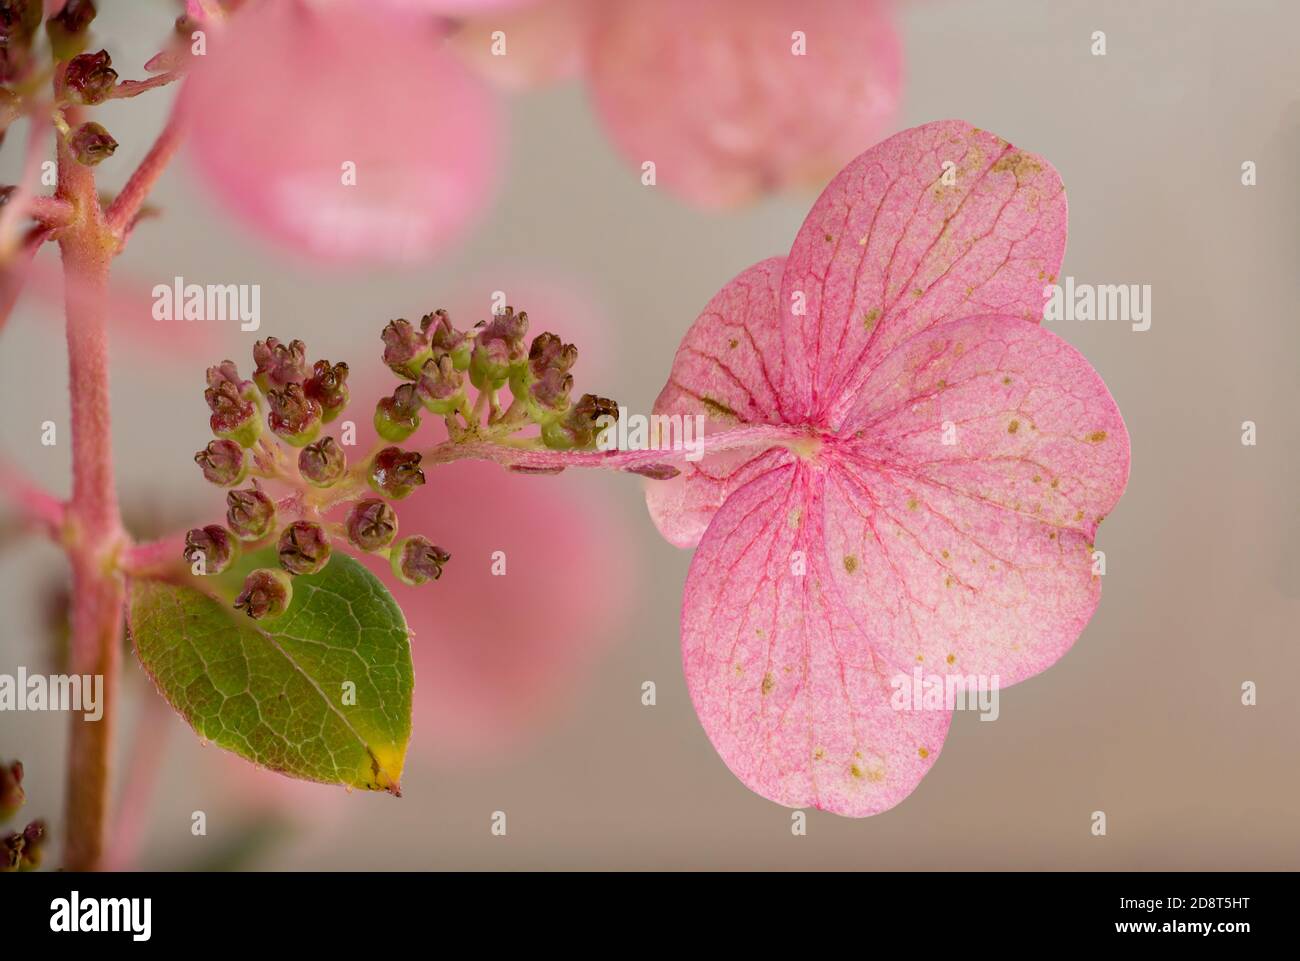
{"x":783,"y":681}
{"x":727,"y":368}
{"x":285,"y":98}
{"x":889,"y":249}
{"x":975,"y":557}
{"x":713,"y":94}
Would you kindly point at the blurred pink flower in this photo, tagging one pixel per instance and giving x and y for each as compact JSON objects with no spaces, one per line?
{"x":735,"y":98}
{"x":343,"y":134}
{"x":497,"y":656}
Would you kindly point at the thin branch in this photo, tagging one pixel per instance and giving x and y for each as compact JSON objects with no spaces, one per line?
{"x":15,"y":209}
{"x":133,"y":88}
{"x":35,"y":505}
{"x":121,"y":213}
{"x":51,"y":211}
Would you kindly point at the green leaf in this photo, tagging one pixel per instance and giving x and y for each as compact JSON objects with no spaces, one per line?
{"x":273,"y":690}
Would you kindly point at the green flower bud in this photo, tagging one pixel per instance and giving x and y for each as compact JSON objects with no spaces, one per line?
{"x":416,"y":560}
{"x":12,"y":794}
{"x":395,"y":472}
{"x":577,"y":429}
{"x":371,"y":525}
{"x":541,"y":382}
{"x":294,"y":417}
{"x":398,"y":417}
{"x":304,"y":548}
{"x":328,"y":386}
{"x":233,"y":417}
{"x":441,"y":386}
{"x":68,"y":30}
{"x":212,"y":545}
{"x":405,"y":348}
{"x":90,"y":77}
{"x":250,"y":514}
{"x":91,"y":144}
{"x":498,"y":350}
{"x":267,"y":593}
{"x":224,"y":462}
{"x":279,"y":365}
{"x":23,"y":851}
{"x":323,"y":463}
{"x":446,"y":339}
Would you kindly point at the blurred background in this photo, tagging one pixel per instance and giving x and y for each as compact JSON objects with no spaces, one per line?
{"x":1142,"y":719}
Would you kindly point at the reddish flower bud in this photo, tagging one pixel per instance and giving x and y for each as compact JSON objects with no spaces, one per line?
{"x":294,"y":417}
{"x":397,"y":417}
{"x":233,"y":417}
{"x":416,"y":560}
{"x":67,"y":30}
{"x":228,"y":371}
{"x":441,"y":386}
{"x":223,"y":461}
{"x":446,"y":339}
{"x":543,"y":384}
{"x":322,"y":463}
{"x":211,"y":547}
{"x":19,"y":20}
{"x":267,"y":593}
{"x":278,"y":364}
{"x":304,"y":548}
{"x":498,"y":349}
{"x":655,"y":471}
{"x":328,"y":386}
{"x":12,"y":794}
{"x":395,"y":472}
{"x":371,"y":525}
{"x":579,"y":427}
{"x":91,"y":144}
{"x":90,"y":77}
{"x":23,"y":851}
{"x":405,"y":348}
{"x":250,"y":514}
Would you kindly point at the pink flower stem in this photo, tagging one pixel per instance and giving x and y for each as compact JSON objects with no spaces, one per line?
{"x":94,"y":526}
{"x":11,"y":215}
{"x":36,"y":505}
{"x":122,"y":212}
{"x":529,"y":454}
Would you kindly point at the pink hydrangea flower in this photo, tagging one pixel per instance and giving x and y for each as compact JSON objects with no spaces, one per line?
{"x":734,"y":98}
{"x":345,"y":134}
{"x":927,"y":478}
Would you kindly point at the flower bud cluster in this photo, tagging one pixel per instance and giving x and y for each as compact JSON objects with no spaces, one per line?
{"x":294,"y":402}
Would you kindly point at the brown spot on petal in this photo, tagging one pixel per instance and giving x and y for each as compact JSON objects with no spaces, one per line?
{"x":1013,"y":427}
{"x":850,"y":563}
{"x":1097,"y":436}
{"x":769,"y":682}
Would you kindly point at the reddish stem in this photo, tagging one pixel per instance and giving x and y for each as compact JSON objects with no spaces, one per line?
{"x":36,"y":505}
{"x":95,"y":534}
{"x":123,"y":210}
